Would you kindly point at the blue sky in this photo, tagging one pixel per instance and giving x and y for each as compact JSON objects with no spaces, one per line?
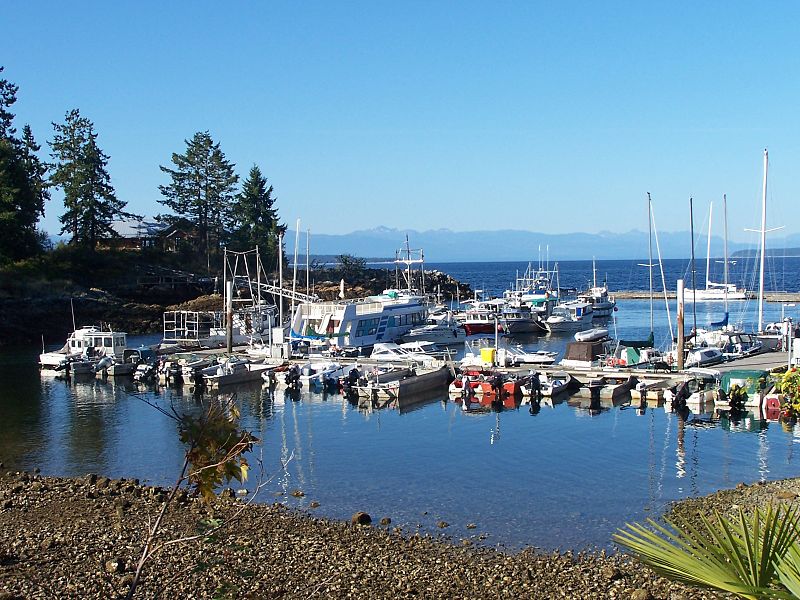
{"x":542,"y":116}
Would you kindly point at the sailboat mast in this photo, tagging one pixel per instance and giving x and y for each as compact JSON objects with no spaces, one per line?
{"x":708,"y":246}
{"x":763,"y":246}
{"x":725,"y":270}
{"x":694,"y":284}
{"x":650,"y":254}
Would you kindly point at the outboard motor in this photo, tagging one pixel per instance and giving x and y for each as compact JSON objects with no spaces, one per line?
{"x":682,"y":394}
{"x":497,"y":384}
{"x":293,"y":377}
{"x":103,"y":364}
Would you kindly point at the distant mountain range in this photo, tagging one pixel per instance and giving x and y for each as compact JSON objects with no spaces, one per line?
{"x":444,"y":245}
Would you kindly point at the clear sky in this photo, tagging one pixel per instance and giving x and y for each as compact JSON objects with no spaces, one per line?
{"x":542,"y":116}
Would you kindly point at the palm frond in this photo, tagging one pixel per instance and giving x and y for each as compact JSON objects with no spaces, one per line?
{"x":738,"y":556}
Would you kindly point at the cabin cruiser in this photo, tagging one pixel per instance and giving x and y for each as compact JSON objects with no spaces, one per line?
{"x":515,"y":320}
{"x":420,"y":353}
{"x":732,"y":342}
{"x":574,"y":315}
{"x":602,"y":304}
{"x":360,"y":322}
{"x":88,"y":342}
{"x":444,"y":331}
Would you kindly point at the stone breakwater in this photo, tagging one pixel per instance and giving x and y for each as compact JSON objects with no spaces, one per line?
{"x":81,"y":538}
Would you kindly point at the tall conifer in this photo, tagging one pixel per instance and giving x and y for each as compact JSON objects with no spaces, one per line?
{"x":256,"y":218}
{"x":23,"y":188}
{"x":202,"y":188}
{"x":80,"y":171}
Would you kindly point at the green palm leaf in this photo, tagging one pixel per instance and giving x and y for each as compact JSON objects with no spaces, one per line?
{"x":738,"y":557}
{"x":788,"y":569}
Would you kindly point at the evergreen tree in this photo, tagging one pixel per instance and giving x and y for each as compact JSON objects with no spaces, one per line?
{"x":80,"y":171}
{"x":202,"y":189}
{"x":23,"y":188}
{"x":8,"y":96}
{"x":256,"y":218}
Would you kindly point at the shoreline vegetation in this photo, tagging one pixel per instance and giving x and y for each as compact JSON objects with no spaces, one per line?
{"x":131,"y":291}
{"x":81,"y":537}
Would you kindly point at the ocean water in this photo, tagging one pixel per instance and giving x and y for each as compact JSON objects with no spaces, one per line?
{"x":561,"y":477}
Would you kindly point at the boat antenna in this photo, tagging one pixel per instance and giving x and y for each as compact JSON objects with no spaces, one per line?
{"x":72,"y":308}
{"x":694,"y":283}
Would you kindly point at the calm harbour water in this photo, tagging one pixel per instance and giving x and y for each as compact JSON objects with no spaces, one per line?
{"x":560,"y":478}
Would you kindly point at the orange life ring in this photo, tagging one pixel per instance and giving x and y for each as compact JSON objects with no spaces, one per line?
{"x":610,"y":361}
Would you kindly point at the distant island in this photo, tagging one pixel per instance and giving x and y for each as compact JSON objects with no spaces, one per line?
{"x":445,"y":245}
{"x":771,"y":252}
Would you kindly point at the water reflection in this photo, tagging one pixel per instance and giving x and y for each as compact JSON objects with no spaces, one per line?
{"x":432,"y":461}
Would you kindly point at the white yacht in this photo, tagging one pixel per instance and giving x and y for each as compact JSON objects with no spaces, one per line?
{"x":574,"y":315}
{"x":87,"y":342}
{"x":361,"y":322}
{"x":445,"y":331}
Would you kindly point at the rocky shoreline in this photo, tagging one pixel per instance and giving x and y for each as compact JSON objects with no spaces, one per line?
{"x":81,"y":537}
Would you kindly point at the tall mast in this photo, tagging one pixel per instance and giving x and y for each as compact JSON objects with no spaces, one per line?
{"x":694,"y":284}
{"x":650,"y":254}
{"x":308,"y":262}
{"x":763,"y":246}
{"x":294,"y":271}
{"x":280,"y":279}
{"x":708,"y":247}
{"x":725,"y":269}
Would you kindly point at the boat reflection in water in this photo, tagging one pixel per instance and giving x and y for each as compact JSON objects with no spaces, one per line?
{"x":417,"y":464}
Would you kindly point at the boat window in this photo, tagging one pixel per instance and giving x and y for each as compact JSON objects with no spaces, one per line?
{"x":108,"y":342}
{"x":367,"y":327}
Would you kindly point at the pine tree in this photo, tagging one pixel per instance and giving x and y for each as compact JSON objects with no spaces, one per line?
{"x":256,"y":218}
{"x":80,"y":171}
{"x":23,"y":188}
{"x":202,"y":189}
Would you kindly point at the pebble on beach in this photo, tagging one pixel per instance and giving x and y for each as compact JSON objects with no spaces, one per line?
{"x":56,"y":542}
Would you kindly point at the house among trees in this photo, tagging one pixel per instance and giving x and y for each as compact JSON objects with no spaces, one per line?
{"x":138,"y":234}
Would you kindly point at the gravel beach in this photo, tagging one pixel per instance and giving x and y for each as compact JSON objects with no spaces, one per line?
{"x":81,"y":538}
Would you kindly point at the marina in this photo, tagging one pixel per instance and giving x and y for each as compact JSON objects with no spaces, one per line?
{"x":470,"y":462}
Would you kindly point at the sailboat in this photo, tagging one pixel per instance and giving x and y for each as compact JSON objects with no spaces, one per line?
{"x":642,"y":353}
{"x":715,"y":291}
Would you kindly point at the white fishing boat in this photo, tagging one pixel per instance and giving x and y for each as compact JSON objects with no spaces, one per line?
{"x":403,"y":390}
{"x":517,"y":356}
{"x":597,"y":295}
{"x":233,"y":371}
{"x":698,"y":357}
{"x":443,"y":331}
{"x":88,"y":342}
{"x":419,"y":353}
{"x":550,"y":384}
{"x":520,"y":320}
{"x":110,"y":366}
{"x":574,"y":315}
